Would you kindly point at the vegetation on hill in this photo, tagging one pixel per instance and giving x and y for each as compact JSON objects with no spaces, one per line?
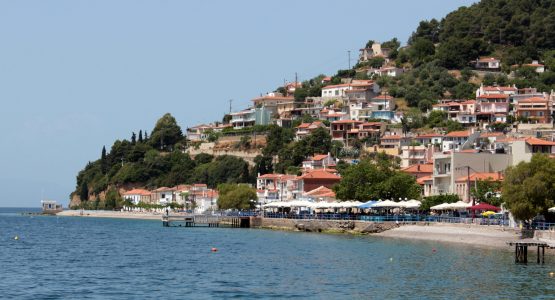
{"x":155,"y":162}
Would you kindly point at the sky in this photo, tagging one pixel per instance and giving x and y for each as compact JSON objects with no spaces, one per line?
{"x":77,"y":75}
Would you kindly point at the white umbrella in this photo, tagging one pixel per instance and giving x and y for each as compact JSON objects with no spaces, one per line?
{"x":386,"y":204}
{"x":300,"y":203}
{"x":458,"y":205}
{"x":411,"y":204}
{"x":441,"y":206}
{"x":551,"y":209}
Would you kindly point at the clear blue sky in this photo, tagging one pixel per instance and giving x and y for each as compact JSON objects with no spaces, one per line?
{"x":77,"y":75}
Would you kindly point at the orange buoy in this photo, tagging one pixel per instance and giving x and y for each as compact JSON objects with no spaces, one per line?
{"x":214,"y":249}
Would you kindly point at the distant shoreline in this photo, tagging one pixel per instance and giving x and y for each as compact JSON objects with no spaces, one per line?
{"x":471,"y":235}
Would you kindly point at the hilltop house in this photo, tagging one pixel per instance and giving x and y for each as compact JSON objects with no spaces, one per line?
{"x":488,"y":64}
{"x":137,"y":195}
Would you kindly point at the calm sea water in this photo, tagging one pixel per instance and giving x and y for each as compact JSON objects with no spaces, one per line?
{"x":63,"y":257}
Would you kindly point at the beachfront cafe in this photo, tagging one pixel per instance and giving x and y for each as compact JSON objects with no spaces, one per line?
{"x":386,"y":210}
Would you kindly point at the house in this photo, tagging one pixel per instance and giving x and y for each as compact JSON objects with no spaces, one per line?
{"x":492,"y":107}
{"x":495,"y":90}
{"x":305,"y":129}
{"x":331,"y":115}
{"x":488,"y":64}
{"x":426,"y":183}
{"x":205,"y":200}
{"x":375,"y":50}
{"x":316,"y":178}
{"x":137,"y":195}
{"x":429,"y":139}
{"x":394,"y":141}
{"x":386,"y":71}
{"x":487,"y":140}
{"x":271,"y":100}
{"x":383,"y":102}
{"x":534,"y":110}
{"x":455,"y":140}
{"x":415,"y":155}
{"x":461,"y":184}
{"x":244,"y":118}
{"x":448,"y":167}
{"x":50,"y":207}
{"x":277,"y":187}
{"x":340,"y":129}
{"x":419,"y":170}
{"x":163,"y":195}
{"x":339,"y":90}
{"x":523,"y":149}
{"x":202,"y":131}
{"x":319,"y":161}
{"x":539,"y":68}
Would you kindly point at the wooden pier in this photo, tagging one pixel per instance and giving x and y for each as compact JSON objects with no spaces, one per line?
{"x":521,"y":250}
{"x":205,"y":221}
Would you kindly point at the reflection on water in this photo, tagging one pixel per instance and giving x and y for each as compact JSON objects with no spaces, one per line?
{"x":110,"y":258}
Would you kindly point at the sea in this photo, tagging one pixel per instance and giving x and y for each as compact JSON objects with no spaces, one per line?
{"x":95,"y":258}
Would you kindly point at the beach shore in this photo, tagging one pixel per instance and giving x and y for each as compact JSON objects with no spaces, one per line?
{"x":476,"y":235}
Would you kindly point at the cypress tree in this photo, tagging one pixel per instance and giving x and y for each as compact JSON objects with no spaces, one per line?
{"x":103,"y":162}
{"x":140,"y":136}
{"x":133,"y":138}
{"x":84,"y":195}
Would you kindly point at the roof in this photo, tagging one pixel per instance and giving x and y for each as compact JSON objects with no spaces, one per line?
{"x":493,"y":96}
{"x":163,"y":189}
{"x":419,"y":168}
{"x":391,"y":137}
{"x":499,"y":88}
{"x":321,"y":191}
{"x":491,"y":134}
{"x":469,"y":102}
{"x":533,"y":65}
{"x":497,"y":176}
{"x":487,"y":59}
{"x":346,"y":122}
{"x":320,"y":174}
{"x":533,"y":100}
{"x":464,"y":133}
{"x":538,"y":142}
{"x":304,"y":125}
{"x":141,"y":192}
{"x":320,"y":157}
{"x":429,"y":135}
{"x":382,"y":97}
{"x":424,"y":179}
{"x":273,"y":98}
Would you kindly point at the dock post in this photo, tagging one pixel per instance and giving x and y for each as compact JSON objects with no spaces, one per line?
{"x":543,"y":255}
{"x":538,"y":256}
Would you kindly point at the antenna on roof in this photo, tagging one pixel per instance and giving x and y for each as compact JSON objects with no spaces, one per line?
{"x":230,"y":100}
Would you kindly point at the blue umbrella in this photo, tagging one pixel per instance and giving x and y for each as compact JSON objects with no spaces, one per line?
{"x":368,"y":204}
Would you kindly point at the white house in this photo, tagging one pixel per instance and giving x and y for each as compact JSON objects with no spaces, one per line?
{"x":137,"y":195}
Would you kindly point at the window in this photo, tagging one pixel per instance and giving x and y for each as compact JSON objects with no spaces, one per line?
{"x":540,"y":113}
{"x":336,"y":92}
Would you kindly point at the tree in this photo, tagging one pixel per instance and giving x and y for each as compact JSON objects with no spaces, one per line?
{"x":436,"y":118}
{"x":487,"y":191}
{"x":236,"y":196}
{"x":203,"y":158}
{"x":166,"y":132}
{"x":84,"y":194}
{"x":103,"y":161}
{"x":140,"y":136}
{"x":375,"y":179}
{"x":264,"y":164}
{"x":133,"y":138}
{"x":529,"y":187}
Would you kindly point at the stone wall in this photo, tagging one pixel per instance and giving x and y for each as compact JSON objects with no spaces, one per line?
{"x":346,"y":226}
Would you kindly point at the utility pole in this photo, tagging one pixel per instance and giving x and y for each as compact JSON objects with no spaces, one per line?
{"x":230,"y":100}
{"x":296,"y":79}
{"x":349,"y":55}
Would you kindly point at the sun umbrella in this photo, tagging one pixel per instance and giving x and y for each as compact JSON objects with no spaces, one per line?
{"x":367,"y":204}
{"x":484,"y":206}
{"x":386,"y":204}
{"x":551,"y":209}
{"x":488,"y":213}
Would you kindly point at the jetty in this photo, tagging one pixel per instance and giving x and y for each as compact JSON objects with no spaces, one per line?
{"x":206,"y":221}
{"x":521,"y":250}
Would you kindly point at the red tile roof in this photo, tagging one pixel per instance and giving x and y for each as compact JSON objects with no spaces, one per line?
{"x":533,"y":100}
{"x":464,"y":133}
{"x":141,"y":192}
{"x":347,"y":122}
{"x":491,"y":134}
{"x":320,"y":157}
{"x":320,"y":174}
{"x":419,"y":168}
{"x":493,"y":96}
{"x":424,"y":179}
{"x":482,"y":176}
{"x":539,"y":142}
{"x":391,"y":137}
{"x":321,"y":191}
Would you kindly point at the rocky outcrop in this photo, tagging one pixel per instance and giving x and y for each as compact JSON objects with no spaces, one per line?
{"x":340,"y":226}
